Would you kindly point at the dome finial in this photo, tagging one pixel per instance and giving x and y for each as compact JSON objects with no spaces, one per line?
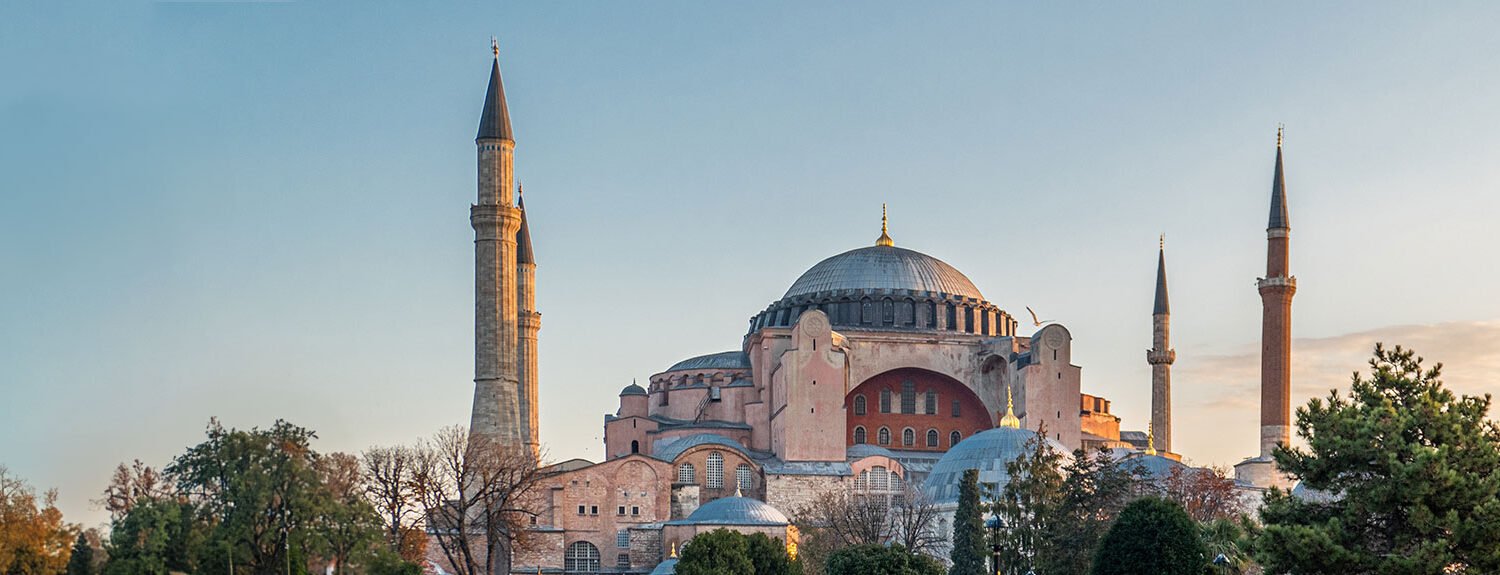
{"x":495,"y":47}
{"x":1279,"y":129}
{"x":1009,"y":419}
{"x":885,"y":238}
{"x":1150,"y":440}
{"x":674,"y":550}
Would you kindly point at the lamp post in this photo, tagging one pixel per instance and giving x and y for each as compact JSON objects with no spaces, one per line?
{"x":996,"y":526}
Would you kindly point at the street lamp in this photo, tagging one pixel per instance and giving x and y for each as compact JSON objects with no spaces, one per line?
{"x":996,"y":525}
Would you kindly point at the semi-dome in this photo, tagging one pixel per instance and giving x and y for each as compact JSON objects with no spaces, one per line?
{"x":884,"y":267}
{"x":738,"y":511}
{"x":989,"y":452}
{"x":721,"y":360}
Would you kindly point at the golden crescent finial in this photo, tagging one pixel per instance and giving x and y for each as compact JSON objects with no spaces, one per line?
{"x":1161,"y":243}
{"x":1279,"y":129}
{"x":885,"y":237}
{"x":1150,"y":440}
{"x":1009,"y":419}
{"x":495,"y":46}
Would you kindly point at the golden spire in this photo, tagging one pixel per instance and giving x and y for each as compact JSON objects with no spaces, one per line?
{"x":1150,"y":440}
{"x":1279,"y":129}
{"x":885,"y":238}
{"x":494,"y":46}
{"x":1010,"y":420}
{"x":674,"y":550}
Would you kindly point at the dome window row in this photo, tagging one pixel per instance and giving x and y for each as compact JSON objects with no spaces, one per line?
{"x":908,"y":437}
{"x":931,"y":313}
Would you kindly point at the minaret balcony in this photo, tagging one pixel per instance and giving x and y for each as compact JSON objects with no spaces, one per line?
{"x":1161,"y":356}
{"x":1276,"y":282}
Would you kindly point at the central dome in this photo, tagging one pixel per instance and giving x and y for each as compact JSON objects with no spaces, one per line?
{"x":884,"y":267}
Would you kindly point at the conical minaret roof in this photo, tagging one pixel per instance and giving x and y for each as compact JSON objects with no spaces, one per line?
{"x":494,"y":121}
{"x":1279,"y":218}
{"x":1161,"y":306}
{"x":523,"y":236}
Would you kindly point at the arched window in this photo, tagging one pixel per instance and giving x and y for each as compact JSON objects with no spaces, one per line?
{"x":883,"y":436}
{"x":954,"y":438}
{"x":952,"y":318}
{"x":887,"y":312}
{"x":885,"y":401}
{"x":968,"y":319}
{"x":956,"y":405}
{"x":743,"y":478}
{"x":859,"y":434}
{"x":931,"y":403}
{"x":908,"y":396}
{"x":859,"y":405}
{"x":931,"y":314}
{"x":906,"y":314}
{"x":581,"y":557}
{"x":879,"y":479}
{"x":932,"y":438}
{"x":866,"y":311}
{"x":908,"y":437}
{"x":715,"y":470}
{"x":635,"y":446}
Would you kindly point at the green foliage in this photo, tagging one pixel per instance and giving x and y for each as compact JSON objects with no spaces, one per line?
{"x":880,"y":560}
{"x":718,"y":552}
{"x":1232,"y":538}
{"x":383,"y":561}
{"x":154,"y":538}
{"x":81,"y":561}
{"x":1408,"y":475}
{"x":1153,"y":536}
{"x":969,"y":551}
{"x":769,"y":557}
{"x":1027,"y":503}
{"x":1094,"y":490}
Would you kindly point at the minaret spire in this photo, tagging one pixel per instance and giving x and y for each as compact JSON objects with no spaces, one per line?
{"x":1160,"y":356}
{"x":494,"y":122}
{"x":885,"y":238}
{"x":1276,"y":291}
{"x":1279,"y":219}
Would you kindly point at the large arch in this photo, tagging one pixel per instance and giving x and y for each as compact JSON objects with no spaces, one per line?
{"x":909,"y":388}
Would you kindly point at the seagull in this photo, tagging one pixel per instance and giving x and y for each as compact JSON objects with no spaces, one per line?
{"x":1036,"y":321}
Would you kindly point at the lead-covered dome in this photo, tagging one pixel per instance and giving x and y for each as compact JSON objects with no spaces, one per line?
{"x":884,"y":268}
{"x":736,"y":511}
{"x":989,"y":452}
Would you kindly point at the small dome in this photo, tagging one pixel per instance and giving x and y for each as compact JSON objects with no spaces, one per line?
{"x":989,"y":452}
{"x":1310,"y":495}
{"x":721,"y":360}
{"x":739,"y":511}
{"x":1156,"y":466}
{"x":633,"y":389}
{"x":668,"y":567}
{"x":883,"y":267}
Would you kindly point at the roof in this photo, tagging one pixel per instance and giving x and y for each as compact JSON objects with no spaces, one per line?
{"x":1156,"y":466}
{"x":1279,"y":218}
{"x":633,"y":389}
{"x":494,"y":121}
{"x":883,"y":267}
{"x":721,"y":360}
{"x":523,"y":236}
{"x":738,"y":511}
{"x":988,"y":451}
{"x":669,"y":450}
{"x":818,"y":468}
{"x":1161,"y":306}
{"x":668,"y":567}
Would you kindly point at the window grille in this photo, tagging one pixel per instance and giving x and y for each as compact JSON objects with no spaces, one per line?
{"x":932,"y":438}
{"x":954,"y":438}
{"x":859,"y":405}
{"x":859,"y":434}
{"x":686,"y":474}
{"x":581,"y":557}
{"x":908,"y":437}
{"x":885,"y":401}
{"x":908,"y":397}
{"x":883,"y":436}
{"x":622,"y":539}
{"x":931,"y":403}
{"x":956,"y":404}
{"x":715,"y":470}
{"x":743,"y":477}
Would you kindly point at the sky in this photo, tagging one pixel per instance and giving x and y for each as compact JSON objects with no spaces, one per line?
{"x":254,"y":211}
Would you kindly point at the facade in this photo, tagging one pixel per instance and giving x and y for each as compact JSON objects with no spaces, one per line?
{"x":879,"y":368}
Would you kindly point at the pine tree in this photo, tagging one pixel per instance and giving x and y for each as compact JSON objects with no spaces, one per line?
{"x":81,"y":562}
{"x":968,"y":529}
{"x":1153,"y":536}
{"x":1405,"y":478}
{"x":1027,"y":504}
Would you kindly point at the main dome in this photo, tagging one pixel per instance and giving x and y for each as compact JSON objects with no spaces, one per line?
{"x":883,"y":267}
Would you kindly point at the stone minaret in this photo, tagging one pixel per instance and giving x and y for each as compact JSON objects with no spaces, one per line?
{"x":1276,"y":290}
{"x":529,"y":322}
{"x":1160,"y":357}
{"x":498,"y":409}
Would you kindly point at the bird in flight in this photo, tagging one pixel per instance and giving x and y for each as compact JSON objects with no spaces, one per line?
{"x":1034,"y":320}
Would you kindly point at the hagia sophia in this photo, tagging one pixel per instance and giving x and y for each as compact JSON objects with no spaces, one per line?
{"x":880,"y":368}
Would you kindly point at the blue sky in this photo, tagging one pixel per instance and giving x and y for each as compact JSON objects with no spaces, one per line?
{"x":259,"y":211}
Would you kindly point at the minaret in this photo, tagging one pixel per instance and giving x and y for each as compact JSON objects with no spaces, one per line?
{"x":1276,"y":290}
{"x":529,"y":322}
{"x":1161,"y":356}
{"x":496,"y":221}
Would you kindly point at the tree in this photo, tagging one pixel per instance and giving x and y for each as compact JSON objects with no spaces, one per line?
{"x":347,"y":524}
{"x":718,"y":552}
{"x":130,"y":485}
{"x":881,"y":560}
{"x":477,"y":496}
{"x":154,"y":537}
{"x":1027,"y":501}
{"x":1234,"y":539}
{"x":847,"y":518}
{"x":1096,"y":486}
{"x":1152,"y":535}
{"x":1206,"y":494}
{"x":968,"y":529}
{"x":769,"y":557}
{"x":1409,"y":474}
{"x":33,"y":538}
{"x":390,"y":486}
{"x":81,"y":560}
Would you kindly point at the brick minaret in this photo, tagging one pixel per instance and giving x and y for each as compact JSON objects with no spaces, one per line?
{"x":496,"y":221}
{"x":1161,"y":356}
{"x":1276,"y":290}
{"x":529,"y":322}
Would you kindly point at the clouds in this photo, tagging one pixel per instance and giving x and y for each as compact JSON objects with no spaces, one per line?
{"x":1217,"y":397}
